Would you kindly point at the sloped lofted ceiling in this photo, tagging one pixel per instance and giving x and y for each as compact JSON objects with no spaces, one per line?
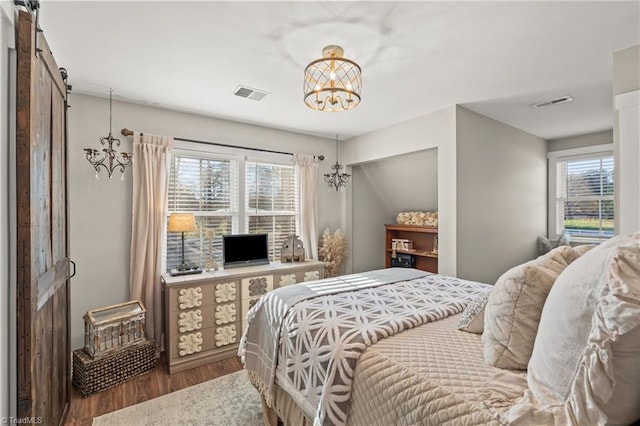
{"x":417,"y":57}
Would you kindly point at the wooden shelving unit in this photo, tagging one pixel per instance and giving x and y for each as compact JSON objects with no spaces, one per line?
{"x":423,"y":238}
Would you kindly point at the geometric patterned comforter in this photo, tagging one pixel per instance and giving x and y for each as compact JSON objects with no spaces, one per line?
{"x":322,"y":338}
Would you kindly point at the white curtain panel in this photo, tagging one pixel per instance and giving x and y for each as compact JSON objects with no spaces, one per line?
{"x":151,"y":156}
{"x":307,"y":171}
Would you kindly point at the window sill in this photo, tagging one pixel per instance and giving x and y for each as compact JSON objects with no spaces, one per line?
{"x":576,"y":241}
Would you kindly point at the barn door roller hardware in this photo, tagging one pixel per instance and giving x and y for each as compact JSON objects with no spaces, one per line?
{"x":33,"y":7}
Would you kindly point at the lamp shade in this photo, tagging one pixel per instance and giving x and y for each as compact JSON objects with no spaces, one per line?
{"x":182,"y":222}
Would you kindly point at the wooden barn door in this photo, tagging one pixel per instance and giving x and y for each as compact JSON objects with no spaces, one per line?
{"x":42,"y":237}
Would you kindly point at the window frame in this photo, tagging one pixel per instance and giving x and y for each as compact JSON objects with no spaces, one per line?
{"x":554,"y":157}
{"x":249,"y":212}
{"x":240,"y":219}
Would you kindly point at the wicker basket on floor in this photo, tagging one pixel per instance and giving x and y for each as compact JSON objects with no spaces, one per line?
{"x":95,"y":375}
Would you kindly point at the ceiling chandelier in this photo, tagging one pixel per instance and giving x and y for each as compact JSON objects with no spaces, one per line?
{"x":110,"y":159}
{"x":335,"y":179}
{"x":332,"y":83}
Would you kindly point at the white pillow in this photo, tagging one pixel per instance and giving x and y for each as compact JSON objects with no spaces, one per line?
{"x":585,"y":365}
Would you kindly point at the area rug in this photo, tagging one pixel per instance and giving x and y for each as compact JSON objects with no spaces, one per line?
{"x":229,"y":400}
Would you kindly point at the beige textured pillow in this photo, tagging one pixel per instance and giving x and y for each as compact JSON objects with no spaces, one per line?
{"x":585,"y":366}
{"x":514,"y":307}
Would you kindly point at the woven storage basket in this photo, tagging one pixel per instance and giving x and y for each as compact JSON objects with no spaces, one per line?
{"x":95,"y":375}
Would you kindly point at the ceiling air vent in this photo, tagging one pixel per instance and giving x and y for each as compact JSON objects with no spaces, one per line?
{"x":249,"y":93}
{"x":560,"y":100}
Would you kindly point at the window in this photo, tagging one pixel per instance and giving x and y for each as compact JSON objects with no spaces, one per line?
{"x":583,"y":193}
{"x":271,"y":197}
{"x":228,"y":194}
{"x":208,"y":188}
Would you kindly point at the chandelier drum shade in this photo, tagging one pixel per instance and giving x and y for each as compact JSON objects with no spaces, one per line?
{"x":110,"y":159}
{"x":332,"y":83}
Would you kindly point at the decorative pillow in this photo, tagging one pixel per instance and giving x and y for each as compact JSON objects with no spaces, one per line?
{"x":514,"y":307}
{"x":472,"y":319}
{"x":585,"y":366}
{"x":545,"y":245}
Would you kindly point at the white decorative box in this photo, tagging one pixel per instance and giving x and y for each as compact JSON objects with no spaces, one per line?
{"x":401,"y":244}
{"x":113,"y":327}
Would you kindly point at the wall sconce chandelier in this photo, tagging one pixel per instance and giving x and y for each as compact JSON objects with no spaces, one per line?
{"x":332,"y":83}
{"x":111,"y":159}
{"x":335,"y":179}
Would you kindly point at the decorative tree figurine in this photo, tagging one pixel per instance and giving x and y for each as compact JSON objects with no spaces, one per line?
{"x":211,"y":264}
{"x":333,"y":252}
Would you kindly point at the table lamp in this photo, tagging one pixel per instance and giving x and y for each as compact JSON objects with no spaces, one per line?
{"x":183,"y":222}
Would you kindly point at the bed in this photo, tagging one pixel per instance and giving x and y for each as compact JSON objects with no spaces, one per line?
{"x":383,"y":348}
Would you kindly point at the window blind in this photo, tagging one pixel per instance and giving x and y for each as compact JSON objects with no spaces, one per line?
{"x":208,"y":188}
{"x":271,"y":202}
{"x":584,"y":201}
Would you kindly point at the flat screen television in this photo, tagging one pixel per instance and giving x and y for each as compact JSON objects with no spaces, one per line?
{"x":245,"y":250}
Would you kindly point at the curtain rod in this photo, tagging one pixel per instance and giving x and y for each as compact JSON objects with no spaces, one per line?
{"x":127,"y":132}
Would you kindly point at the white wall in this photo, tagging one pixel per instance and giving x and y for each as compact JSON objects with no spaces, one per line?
{"x":502,"y":195}
{"x":7,"y":321}
{"x":626,"y":138}
{"x":434,"y":130}
{"x":382,"y":189}
{"x":579,"y":141}
{"x":100,"y":211}
{"x":627,"y":162}
{"x":626,"y":70}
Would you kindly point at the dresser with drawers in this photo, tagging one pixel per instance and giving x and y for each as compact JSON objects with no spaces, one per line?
{"x":205,"y":314}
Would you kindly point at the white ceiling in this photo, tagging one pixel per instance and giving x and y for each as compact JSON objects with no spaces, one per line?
{"x":417,"y":57}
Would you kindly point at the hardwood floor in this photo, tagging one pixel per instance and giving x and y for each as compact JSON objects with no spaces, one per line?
{"x":142,"y":388}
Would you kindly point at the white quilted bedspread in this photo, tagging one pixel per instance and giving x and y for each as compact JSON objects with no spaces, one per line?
{"x":430,"y":375}
{"x":322,"y":338}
